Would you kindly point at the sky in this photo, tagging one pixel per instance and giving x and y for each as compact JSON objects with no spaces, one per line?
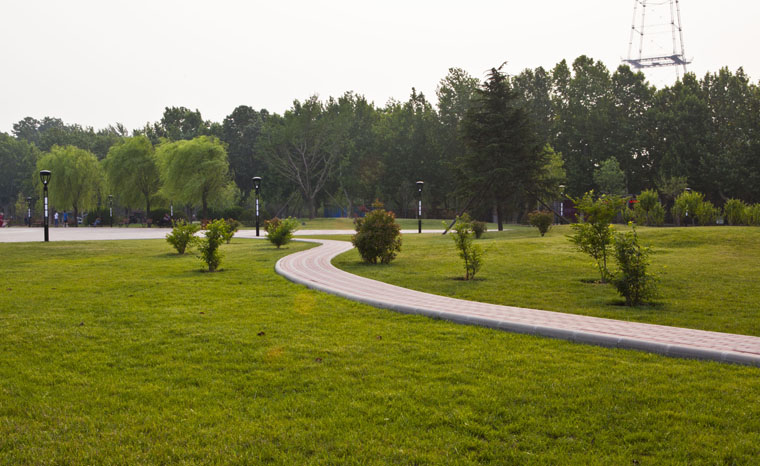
{"x":99,"y":62}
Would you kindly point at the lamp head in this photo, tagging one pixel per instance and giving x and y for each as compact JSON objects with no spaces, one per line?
{"x":419,"y":185}
{"x":45,"y":176}
{"x":257,"y":183}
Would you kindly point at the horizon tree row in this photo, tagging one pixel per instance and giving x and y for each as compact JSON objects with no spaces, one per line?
{"x":499,"y":148}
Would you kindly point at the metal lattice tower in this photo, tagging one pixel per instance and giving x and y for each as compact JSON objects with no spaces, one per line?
{"x":652,"y":53}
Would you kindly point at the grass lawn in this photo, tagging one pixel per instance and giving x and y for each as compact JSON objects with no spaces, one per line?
{"x":122,"y":352}
{"x":707,"y":275}
{"x":348,"y":224}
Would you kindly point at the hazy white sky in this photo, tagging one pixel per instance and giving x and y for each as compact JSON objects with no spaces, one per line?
{"x":98,"y":62}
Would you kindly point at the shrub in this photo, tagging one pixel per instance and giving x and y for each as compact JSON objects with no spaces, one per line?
{"x":632,"y":279}
{"x":752,"y":214}
{"x":470,"y":253}
{"x":182,"y":236}
{"x":707,"y":213}
{"x":232,"y":227}
{"x":542,"y":220}
{"x":735,"y":212}
{"x":479,"y":228}
{"x":280,"y":232}
{"x":594,"y":234}
{"x":649,"y":210}
{"x":378,"y":236}
{"x":686,"y":206}
{"x":209,"y":247}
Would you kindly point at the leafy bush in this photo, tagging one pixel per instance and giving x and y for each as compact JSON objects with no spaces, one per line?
{"x":209,"y":247}
{"x":594,"y":234}
{"x":542,"y":220}
{"x":686,"y":206}
{"x":735,"y":212}
{"x":378,"y":236}
{"x":280,"y":232}
{"x":479,"y":228}
{"x":707,"y":213}
{"x":632,"y":279}
{"x":232,"y":227}
{"x":752,"y":214}
{"x":471,"y":254}
{"x":182,"y":236}
{"x":649,"y":210}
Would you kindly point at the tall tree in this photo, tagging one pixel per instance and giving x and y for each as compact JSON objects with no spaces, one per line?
{"x":132,"y":171}
{"x":195,"y":171}
{"x":17,"y":161}
{"x":505,"y":157}
{"x":77,"y":178}
{"x":304,"y":146}
{"x":241,"y":130}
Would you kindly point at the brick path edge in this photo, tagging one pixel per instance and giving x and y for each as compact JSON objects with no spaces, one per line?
{"x":575,"y":336}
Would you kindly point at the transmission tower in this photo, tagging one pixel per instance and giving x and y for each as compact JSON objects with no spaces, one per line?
{"x":653,"y":24}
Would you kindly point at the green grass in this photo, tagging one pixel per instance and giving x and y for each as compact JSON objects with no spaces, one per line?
{"x":122,"y":352}
{"x":707,"y":276}
{"x":348,"y":224}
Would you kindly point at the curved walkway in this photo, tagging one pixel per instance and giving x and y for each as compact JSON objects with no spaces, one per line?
{"x":313,"y":269}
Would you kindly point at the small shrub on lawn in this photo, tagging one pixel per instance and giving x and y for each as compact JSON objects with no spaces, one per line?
{"x":472,"y":254}
{"x":378,"y":236}
{"x":182,"y":235}
{"x":280,"y":231}
{"x":735,"y":212}
{"x":479,"y":228}
{"x":542,"y":220}
{"x":594,"y":232}
{"x":686,"y":206}
{"x":649,"y":210}
{"x":752,"y":214}
{"x":707,"y":213}
{"x":632,"y":280}
{"x":209,"y":247}
{"x":232,"y":227}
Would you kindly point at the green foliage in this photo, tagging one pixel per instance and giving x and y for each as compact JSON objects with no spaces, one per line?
{"x":132,"y":171}
{"x":649,"y":210}
{"x":594,"y":232}
{"x":208,"y":248}
{"x":280,"y":232}
{"x":479,"y":228}
{"x":735,"y":212}
{"x":378,"y":236}
{"x":17,"y":162}
{"x":752,"y":214}
{"x":232,"y":227}
{"x":194,"y":172}
{"x":609,"y":177}
{"x":182,"y":236}
{"x":76,"y":180}
{"x":632,"y":279}
{"x":686,"y":206}
{"x":707,"y":213}
{"x":471,"y":254}
{"x":542,"y":220}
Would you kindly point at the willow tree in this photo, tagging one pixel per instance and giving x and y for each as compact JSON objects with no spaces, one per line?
{"x":195,"y":171}
{"x":132,"y":171}
{"x":77,"y":178}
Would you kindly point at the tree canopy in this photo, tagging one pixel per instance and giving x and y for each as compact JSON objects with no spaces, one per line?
{"x":77,"y":178}
{"x":132,"y":171}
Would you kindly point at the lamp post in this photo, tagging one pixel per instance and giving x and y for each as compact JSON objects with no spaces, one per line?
{"x":419,"y":206}
{"x":562,"y":200}
{"x":29,"y":212}
{"x":110,"y":208}
{"x":171,"y":210}
{"x":45,"y":178}
{"x":257,"y":188}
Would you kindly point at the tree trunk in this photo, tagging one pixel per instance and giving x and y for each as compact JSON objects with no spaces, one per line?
{"x":76,"y":216}
{"x":147,"y":206}
{"x":205,"y":207}
{"x":500,"y":216}
{"x":312,"y":208}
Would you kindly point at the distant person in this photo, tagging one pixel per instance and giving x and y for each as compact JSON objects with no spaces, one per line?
{"x":97,"y":222}
{"x":65,"y":219}
{"x":2,"y":219}
{"x":55,"y":218}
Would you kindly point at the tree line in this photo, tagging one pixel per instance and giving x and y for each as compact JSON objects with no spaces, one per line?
{"x":501,"y":146}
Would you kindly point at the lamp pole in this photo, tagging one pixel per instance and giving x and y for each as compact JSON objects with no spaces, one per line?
{"x":171,"y":210}
{"x":29,"y":212}
{"x":110,"y":208}
{"x":45,"y":178}
{"x":419,"y":206}
{"x":257,"y":188}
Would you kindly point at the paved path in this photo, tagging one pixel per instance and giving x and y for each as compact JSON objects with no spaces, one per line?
{"x":313,"y":269}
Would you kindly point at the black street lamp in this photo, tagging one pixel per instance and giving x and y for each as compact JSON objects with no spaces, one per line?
{"x":29,"y":212}
{"x":257,"y":188}
{"x":45,"y":178}
{"x":419,"y":206}
{"x":110,"y":208}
